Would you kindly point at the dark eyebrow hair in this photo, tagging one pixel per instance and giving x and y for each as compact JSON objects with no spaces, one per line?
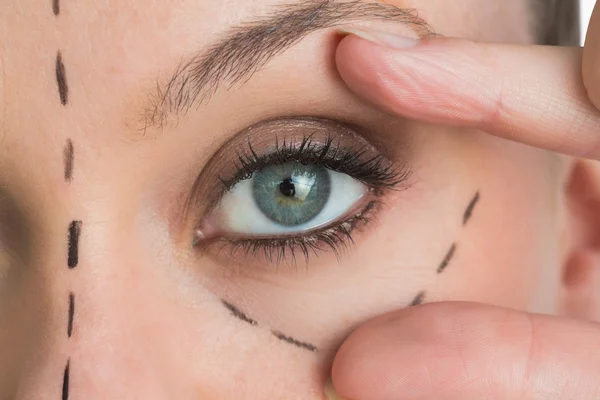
{"x":248,"y":47}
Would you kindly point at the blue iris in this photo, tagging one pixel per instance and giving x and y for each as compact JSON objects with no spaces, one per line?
{"x":291,"y":194}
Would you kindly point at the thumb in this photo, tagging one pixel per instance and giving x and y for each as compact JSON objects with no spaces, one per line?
{"x":463,"y":351}
{"x":530,"y":94}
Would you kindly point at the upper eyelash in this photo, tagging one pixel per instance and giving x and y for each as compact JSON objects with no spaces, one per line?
{"x":375,"y":171}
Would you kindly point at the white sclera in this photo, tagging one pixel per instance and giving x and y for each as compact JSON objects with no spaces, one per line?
{"x":240,"y":214}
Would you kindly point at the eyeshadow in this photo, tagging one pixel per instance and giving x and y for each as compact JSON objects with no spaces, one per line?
{"x":265,"y":137}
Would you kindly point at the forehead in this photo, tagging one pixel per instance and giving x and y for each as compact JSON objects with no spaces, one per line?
{"x":114,"y":50}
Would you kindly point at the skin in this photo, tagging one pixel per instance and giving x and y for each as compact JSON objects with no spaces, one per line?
{"x":452,"y":350}
{"x":149,"y":321}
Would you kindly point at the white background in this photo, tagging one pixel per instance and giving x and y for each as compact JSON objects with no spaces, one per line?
{"x":586,"y":7}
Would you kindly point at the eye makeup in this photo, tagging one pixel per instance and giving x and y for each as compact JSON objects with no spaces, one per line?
{"x":336,"y":145}
{"x":301,"y":141}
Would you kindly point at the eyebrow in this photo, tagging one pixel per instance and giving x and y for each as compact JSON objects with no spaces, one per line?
{"x":246,"y":48}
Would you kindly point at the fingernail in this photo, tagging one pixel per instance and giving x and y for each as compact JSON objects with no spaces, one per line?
{"x":383,"y":38}
{"x":330,"y":391}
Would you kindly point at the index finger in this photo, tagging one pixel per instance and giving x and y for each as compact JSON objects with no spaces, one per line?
{"x":531,"y":94}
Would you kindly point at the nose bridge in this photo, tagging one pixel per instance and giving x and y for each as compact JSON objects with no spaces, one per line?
{"x":104,"y":325}
{"x":116,"y":298}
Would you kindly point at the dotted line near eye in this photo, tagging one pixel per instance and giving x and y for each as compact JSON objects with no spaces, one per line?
{"x":292,"y":341}
{"x":467,"y":215}
{"x":236,"y":312}
{"x":469,"y":211}
{"x":239,"y":314}
{"x":447,"y":259}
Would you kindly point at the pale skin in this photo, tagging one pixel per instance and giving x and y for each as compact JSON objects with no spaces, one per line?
{"x":149,"y":319}
{"x":541,"y":96}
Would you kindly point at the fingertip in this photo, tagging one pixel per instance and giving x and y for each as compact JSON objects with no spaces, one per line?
{"x":380,"y":359}
{"x":354,"y":58}
{"x":407,"y":354}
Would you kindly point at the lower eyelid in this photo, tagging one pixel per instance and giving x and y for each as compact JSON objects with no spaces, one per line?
{"x":256,"y":252}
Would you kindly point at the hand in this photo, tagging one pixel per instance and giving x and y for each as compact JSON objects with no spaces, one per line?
{"x":462,"y":351}
{"x":533,"y":94}
{"x":542,"y":96}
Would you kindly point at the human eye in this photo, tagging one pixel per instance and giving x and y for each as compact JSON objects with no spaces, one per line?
{"x":304,"y":188}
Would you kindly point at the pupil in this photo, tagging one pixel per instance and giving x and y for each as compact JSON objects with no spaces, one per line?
{"x":287,"y":188}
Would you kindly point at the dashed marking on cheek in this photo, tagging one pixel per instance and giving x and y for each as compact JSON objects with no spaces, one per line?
{"x":469,"y":211}
{"x":56,"y":7}
{"x":71,"y":314}
{"x":65,"y":386}
{"x":61,"y":80}
{"x":239,"y":314}
{"x":294,"y":342}
{"x":73,"y":246}
{"x":447,"y":259}
{"x":69,"y":159}
{"x":467,"y":215}
{"x":418,"y":299}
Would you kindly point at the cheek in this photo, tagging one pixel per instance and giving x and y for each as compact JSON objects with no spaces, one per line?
{"x":509,"y":255}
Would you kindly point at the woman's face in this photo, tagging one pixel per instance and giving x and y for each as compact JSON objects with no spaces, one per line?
{"x":194,"y":206}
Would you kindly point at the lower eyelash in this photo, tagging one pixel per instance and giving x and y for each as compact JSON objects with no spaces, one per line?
{"x":336,"y":238}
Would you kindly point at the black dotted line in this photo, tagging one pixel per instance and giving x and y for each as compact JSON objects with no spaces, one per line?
{"x":418,"y":299}
{"x":239,"y":314}
{"x":69,"y":159}
{"x":236,"y":312}
{"x":71,"y":314}
{"x":61,"y":80}
{"x":295,"y":342}
{"x":74,"y":226}
{"x":73,"y":246}
{"x":447,"y":259}
{"x":469,"y":211}
{"x":65,"y":385}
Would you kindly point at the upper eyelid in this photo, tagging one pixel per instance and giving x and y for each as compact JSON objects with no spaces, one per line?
{"x":263,"y":137}
{"x":305,"y":150}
